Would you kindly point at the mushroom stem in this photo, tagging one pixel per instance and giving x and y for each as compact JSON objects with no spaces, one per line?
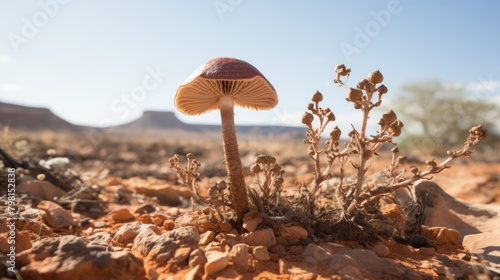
{"x":234,"y":168}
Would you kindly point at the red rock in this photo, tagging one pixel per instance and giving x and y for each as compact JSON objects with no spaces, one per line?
{"x":293,"y":234}
{"x":263,"y":237}
{"x":128,"y":232}
{"x":207,"y":237}
{"x":296,"y":250}
{"x":392,"y":211}
{"x":43,"y":190}
{"x":239,"y":257}
{"x":343,"y":265}
{"x":102,"y":239}
{"x":169,"y":224}
{"x":197,"y":258}
{"x":145,"y":209}
{"x":4,"y":243}
{"x":481,"y":245}
{"x":316,"y":253}
{"x":22,"y":239}
{"x":251,"y":220}
{"x":180,"y":255}
{"x":160,"y":249}
{"x":441,"y":234}
{"x":216,"y":261}
{"x":122,"y":216}
{"x":381,"y":250}
{"x":261,"y":253}
{"x":55,"y":216}
{"x":154,"y":218}
{"x":193,"y":274}
{"x":278,"y":249}
{"x":69,"y":257}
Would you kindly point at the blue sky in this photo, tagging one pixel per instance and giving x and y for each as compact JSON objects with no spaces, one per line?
{"x":104,"y":62}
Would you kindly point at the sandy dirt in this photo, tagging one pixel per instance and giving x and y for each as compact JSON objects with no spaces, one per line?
{"x":116,"y":211}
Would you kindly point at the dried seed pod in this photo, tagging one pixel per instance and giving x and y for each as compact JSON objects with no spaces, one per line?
{"x":213,"y":191}
{"x":362,"y":84}
{"x":401,"y":160}
{"x":352,"y":133}
{"x":335,"y":133}
{"x":382,"y":89}
{"x":375,"y":77}
{"x":414,"y":170}
{"x":389,"y":117}
{"x":395,"y":131}
{"x":222,"y":185}
{"x":354,"y":94}
{"x":317,"y":97}
{"x":260,"y":159}
{"x":395,"y":150}
{"x":342,"y":70}
{"x":189,"y":156}
{"x":479,"y":131}
{"x":370,"y":87}
{"x":255,"y":168}
{"x":310,"y":106}
{"x":330,"y":116}
{"x":307,"y":119}
{"x":279,"y":181}
{"x":276,"y":169}
{"x":271,"y":160}
{"x":431,"y":163}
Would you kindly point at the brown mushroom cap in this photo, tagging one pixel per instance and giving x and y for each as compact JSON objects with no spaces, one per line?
{"x":224,"y":76}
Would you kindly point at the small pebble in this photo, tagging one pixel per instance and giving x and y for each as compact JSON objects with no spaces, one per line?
{"x":260,"y":253}
{"x":381,"y":250}
{"x":122,"y":216}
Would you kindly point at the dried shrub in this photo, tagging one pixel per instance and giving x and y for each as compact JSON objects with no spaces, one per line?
{"x":343,"y":206}
{"x":350,"y":205}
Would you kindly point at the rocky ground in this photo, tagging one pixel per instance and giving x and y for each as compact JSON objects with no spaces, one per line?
{"x":116,"y":211}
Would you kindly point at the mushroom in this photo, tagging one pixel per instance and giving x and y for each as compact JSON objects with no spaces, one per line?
{"x":220,"y":84}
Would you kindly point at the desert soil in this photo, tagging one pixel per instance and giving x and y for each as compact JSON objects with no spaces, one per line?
{"x":116,"y":211}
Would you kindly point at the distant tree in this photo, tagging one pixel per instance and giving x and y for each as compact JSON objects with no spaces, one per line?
{"x":438,"y":117}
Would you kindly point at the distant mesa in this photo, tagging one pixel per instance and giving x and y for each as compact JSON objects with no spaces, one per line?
{"x":151,"y":124}
{"x":33,"y":119}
